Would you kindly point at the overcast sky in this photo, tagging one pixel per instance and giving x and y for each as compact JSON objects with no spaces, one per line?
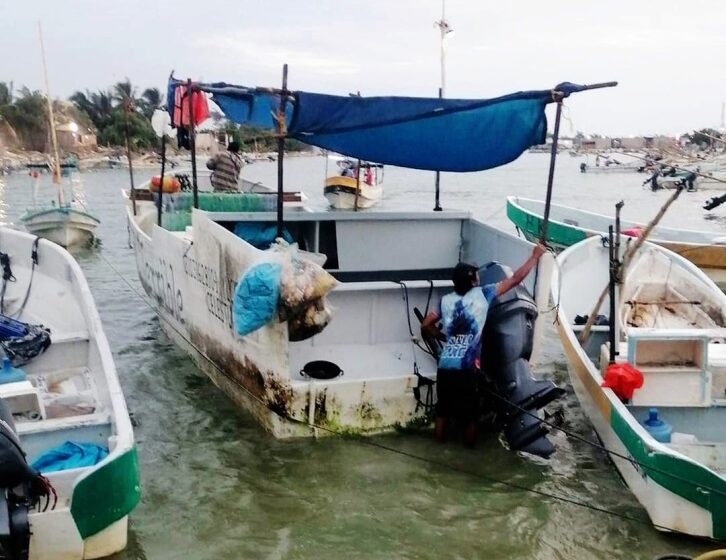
{"x":668,"y":55}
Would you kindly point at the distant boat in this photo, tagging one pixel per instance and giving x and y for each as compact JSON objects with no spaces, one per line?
{"x":348,"y":192}
{"x":667,"y":438}
{"x":568,"y":225}
{"x":66,"y":401}
{"x":68,"y":224}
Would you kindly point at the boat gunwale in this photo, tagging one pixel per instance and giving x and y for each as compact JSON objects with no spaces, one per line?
{"x":515,"y":202}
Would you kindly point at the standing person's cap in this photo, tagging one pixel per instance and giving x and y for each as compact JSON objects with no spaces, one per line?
{"x":463,"y":277}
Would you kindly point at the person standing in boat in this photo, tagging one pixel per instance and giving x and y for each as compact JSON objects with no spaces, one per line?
{"x":226,"y":168}
{"x":463,"y":314}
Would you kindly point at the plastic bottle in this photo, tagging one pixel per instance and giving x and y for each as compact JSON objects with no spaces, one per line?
{"x":659,"y":429}
{"x":10,"y":374}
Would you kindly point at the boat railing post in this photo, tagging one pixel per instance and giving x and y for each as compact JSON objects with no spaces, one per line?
{"x":282,"y":131}
{"x":192,"y":143}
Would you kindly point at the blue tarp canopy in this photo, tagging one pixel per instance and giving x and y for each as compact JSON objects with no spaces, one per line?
{"x":420,"y":133}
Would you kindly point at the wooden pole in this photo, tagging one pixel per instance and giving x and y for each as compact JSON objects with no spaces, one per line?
{"x":631,"y":250}
{"x":282,"y":131}
{"x":357,"y":186}
{"x":53,"y":137}
{"x":192,"y":144}
{"x":127,"y":109}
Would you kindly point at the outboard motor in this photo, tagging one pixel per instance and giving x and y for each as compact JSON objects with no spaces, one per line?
{"x":20,"y":486}
{"x":506,"y":349}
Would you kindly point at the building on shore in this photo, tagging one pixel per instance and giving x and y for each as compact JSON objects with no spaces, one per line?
{"x":72,"y":137}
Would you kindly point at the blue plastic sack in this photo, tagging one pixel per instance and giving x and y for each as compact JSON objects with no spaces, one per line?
{"x":256,"y":297}
{"x":70,"y":455}
{"x":260,"y":234}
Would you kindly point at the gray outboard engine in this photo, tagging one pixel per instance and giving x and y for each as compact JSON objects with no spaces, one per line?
{"x":20,"y":486}
{"x":506,"y":349}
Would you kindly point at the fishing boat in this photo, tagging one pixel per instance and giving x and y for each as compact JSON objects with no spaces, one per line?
{"x":568,"y":225}
{"x":365,"y":369}
{"x":63,"y":413}
{"x":358,"y":185}
{"x":667,"y":438}
{"x":67,"y":224}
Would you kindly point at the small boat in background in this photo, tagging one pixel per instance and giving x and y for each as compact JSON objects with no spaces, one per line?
{"x":665,"y":434}
{"x":357,"y":186}
{"x":568,"y":225}
{"x":67,"y":224}
{"x":70,"y":474}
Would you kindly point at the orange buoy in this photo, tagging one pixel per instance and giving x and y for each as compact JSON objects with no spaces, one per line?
{"x":171,"y":184}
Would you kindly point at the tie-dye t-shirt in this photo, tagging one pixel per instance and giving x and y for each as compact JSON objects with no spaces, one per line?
{"x":463,"y":320}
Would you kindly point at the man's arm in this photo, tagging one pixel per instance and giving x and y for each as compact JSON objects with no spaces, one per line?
{"x":505,"y":285}
{"x":428,"y":326}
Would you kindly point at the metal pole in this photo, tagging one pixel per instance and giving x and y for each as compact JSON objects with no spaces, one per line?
{"x":281,"y":129}
{"x":437,"y":203}
{"x":192,"y":144}
{"x":161,"y":180}
{"x":127,"y":110}
{"x":617,"y":280}
{"x":611,"y":288}
{"x":553,"y":159}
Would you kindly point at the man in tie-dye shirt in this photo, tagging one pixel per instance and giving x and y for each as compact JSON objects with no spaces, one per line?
{"x":463,"y":314}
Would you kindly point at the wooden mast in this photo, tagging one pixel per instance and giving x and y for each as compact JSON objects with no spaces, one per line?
{"x":53,"y":138}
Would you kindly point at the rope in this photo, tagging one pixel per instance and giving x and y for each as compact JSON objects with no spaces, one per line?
{"x":371,"y":443}
{"x":34,"y":258}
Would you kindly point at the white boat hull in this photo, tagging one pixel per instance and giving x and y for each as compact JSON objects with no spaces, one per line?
{"x":91,"y":516}
{"x":666,"y":479}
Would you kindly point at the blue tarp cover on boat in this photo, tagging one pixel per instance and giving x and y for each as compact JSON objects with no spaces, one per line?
{"x":70,"y":455}
{"x":420,"y":133}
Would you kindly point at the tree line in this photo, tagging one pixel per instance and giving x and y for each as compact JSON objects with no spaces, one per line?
{"x":108,"y":112}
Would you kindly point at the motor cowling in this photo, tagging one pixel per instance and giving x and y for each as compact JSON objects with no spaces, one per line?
{"x":16,"y":480}
{"x":510,"y":390}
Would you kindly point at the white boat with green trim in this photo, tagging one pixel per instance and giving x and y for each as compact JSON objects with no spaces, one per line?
{"x":671,"y":326}
{"x":68,"y":391}
{"x":568,"y":225}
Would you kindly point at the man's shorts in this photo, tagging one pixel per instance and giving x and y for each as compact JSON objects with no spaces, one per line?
{"x":457,"y":394}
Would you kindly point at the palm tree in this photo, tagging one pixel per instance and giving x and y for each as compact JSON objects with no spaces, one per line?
{"x":6,"y":93}
{"x":124,"y":92}
{"x":98,"y":106}
{"x":150,"y":100}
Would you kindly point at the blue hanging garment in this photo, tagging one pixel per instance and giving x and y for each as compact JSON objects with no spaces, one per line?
{"x":70,"y":455}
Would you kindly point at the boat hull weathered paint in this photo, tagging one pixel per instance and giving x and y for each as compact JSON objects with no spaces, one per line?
{"x":192,"y":280}
{"x":65,"y":226}
{"x":679,"y":493}
{"x":568,"y":226}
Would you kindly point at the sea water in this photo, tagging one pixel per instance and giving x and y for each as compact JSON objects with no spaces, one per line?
{"x":217,"y":486}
